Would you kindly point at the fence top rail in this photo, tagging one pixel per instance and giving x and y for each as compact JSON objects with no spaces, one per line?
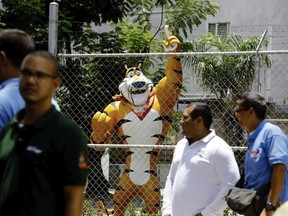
{"x":167,"y":146}
{"x":111,"y":55}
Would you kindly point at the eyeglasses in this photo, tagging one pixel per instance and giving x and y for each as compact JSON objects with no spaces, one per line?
{"x":39,"y":75}
{"x":236,"y":110}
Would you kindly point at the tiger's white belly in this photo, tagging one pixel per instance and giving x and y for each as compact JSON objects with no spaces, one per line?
{"x":141,"y":132}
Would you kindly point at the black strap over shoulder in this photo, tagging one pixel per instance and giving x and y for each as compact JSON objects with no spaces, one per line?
{"x":240,"y":183}
{"x":262,"y":191}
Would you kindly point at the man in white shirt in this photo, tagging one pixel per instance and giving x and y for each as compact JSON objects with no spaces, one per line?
{"x":203,"y":168}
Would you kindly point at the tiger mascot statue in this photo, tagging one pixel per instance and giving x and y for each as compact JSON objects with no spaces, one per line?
{"x":141,"y":114}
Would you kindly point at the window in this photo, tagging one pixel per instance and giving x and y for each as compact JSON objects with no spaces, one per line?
{"x":221,"y":29}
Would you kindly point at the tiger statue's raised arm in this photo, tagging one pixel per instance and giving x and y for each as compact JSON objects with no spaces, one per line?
{"x":169,"y":87}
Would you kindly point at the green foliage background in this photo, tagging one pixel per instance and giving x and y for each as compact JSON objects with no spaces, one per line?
{"x":131,"y":32}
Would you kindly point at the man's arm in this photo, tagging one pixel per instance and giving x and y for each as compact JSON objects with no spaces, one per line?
{"x":74,"y":153}
{"x":167,"y":194}
{"x":167,"y":197}
{"x":277,"y":181}
{"x":74,"y":196}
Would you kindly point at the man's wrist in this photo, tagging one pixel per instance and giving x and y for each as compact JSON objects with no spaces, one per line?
{"x":270,"y":207}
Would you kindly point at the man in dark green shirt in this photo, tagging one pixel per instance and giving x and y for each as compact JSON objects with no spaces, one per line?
{"x":49,"y":158}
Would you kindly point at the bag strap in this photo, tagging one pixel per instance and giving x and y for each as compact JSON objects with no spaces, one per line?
{"x":264,"y":190}
{"x":240,"y":182}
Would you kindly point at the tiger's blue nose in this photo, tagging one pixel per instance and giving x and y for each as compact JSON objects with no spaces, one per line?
{"x":138,"y":84}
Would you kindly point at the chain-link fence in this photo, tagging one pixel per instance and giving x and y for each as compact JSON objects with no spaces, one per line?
{"x":91,"y":81}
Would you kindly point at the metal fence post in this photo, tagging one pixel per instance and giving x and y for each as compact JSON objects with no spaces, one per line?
{"x":53,"y":28}
{"x":258,"y":63}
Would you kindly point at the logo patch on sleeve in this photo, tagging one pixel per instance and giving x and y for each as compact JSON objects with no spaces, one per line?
{"x":83,"y":160}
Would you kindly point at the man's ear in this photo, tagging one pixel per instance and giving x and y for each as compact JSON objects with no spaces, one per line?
{"x":57,"y":83}
{"x":251,"y":110}
{"x":3,"y":59}
{"x":199,"y":119}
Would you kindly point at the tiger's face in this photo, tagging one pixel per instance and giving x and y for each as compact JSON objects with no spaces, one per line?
{"x":135,"y":87}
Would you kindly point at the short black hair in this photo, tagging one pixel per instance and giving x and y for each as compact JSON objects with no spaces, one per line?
{"x":16,"y":44}
{"x":46,"y":55}
{"x":203,"y":110}
{"x":256,"y":101}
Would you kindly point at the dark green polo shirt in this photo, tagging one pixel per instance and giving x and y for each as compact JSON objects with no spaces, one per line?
{"x":52,"y":154}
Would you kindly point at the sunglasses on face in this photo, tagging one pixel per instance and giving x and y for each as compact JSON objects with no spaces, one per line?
{"x":39,"y":75}
{"x":237,"y":110}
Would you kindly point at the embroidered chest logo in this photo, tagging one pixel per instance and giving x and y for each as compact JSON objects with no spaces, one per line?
{"x":34,"y":149}
{"x":83,"y":160}
{"x":256,"y":152}
{"x":201,"y":152}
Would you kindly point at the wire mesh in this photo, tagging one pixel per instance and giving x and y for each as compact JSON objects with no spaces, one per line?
{"x":90,"y":82}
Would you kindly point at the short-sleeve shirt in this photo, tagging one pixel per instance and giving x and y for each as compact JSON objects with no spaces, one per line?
{"x":267,"y":145}
{"x":10,"y":100}
{"x":53,"y":154}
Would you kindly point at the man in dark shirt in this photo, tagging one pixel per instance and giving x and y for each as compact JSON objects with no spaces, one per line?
{"x":50,"y":154}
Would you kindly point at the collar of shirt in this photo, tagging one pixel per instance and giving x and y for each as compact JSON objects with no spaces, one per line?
{"x":41,"y":122}
{"x":205,"y":139}
{"x":252,"y":136}
{"x":9,"y":81}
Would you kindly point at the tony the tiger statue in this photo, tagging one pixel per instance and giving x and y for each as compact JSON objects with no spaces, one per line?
{"x":141,"y":114}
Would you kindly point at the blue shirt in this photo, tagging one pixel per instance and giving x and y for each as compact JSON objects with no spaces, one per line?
{"x":11,"y":101}
{"x":267,"y":145}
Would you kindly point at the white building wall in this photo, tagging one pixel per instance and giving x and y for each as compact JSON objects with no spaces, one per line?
{"x":253,"y":12}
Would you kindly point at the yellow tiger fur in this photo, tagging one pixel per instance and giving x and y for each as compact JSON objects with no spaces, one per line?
{"x":146,"y":123}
